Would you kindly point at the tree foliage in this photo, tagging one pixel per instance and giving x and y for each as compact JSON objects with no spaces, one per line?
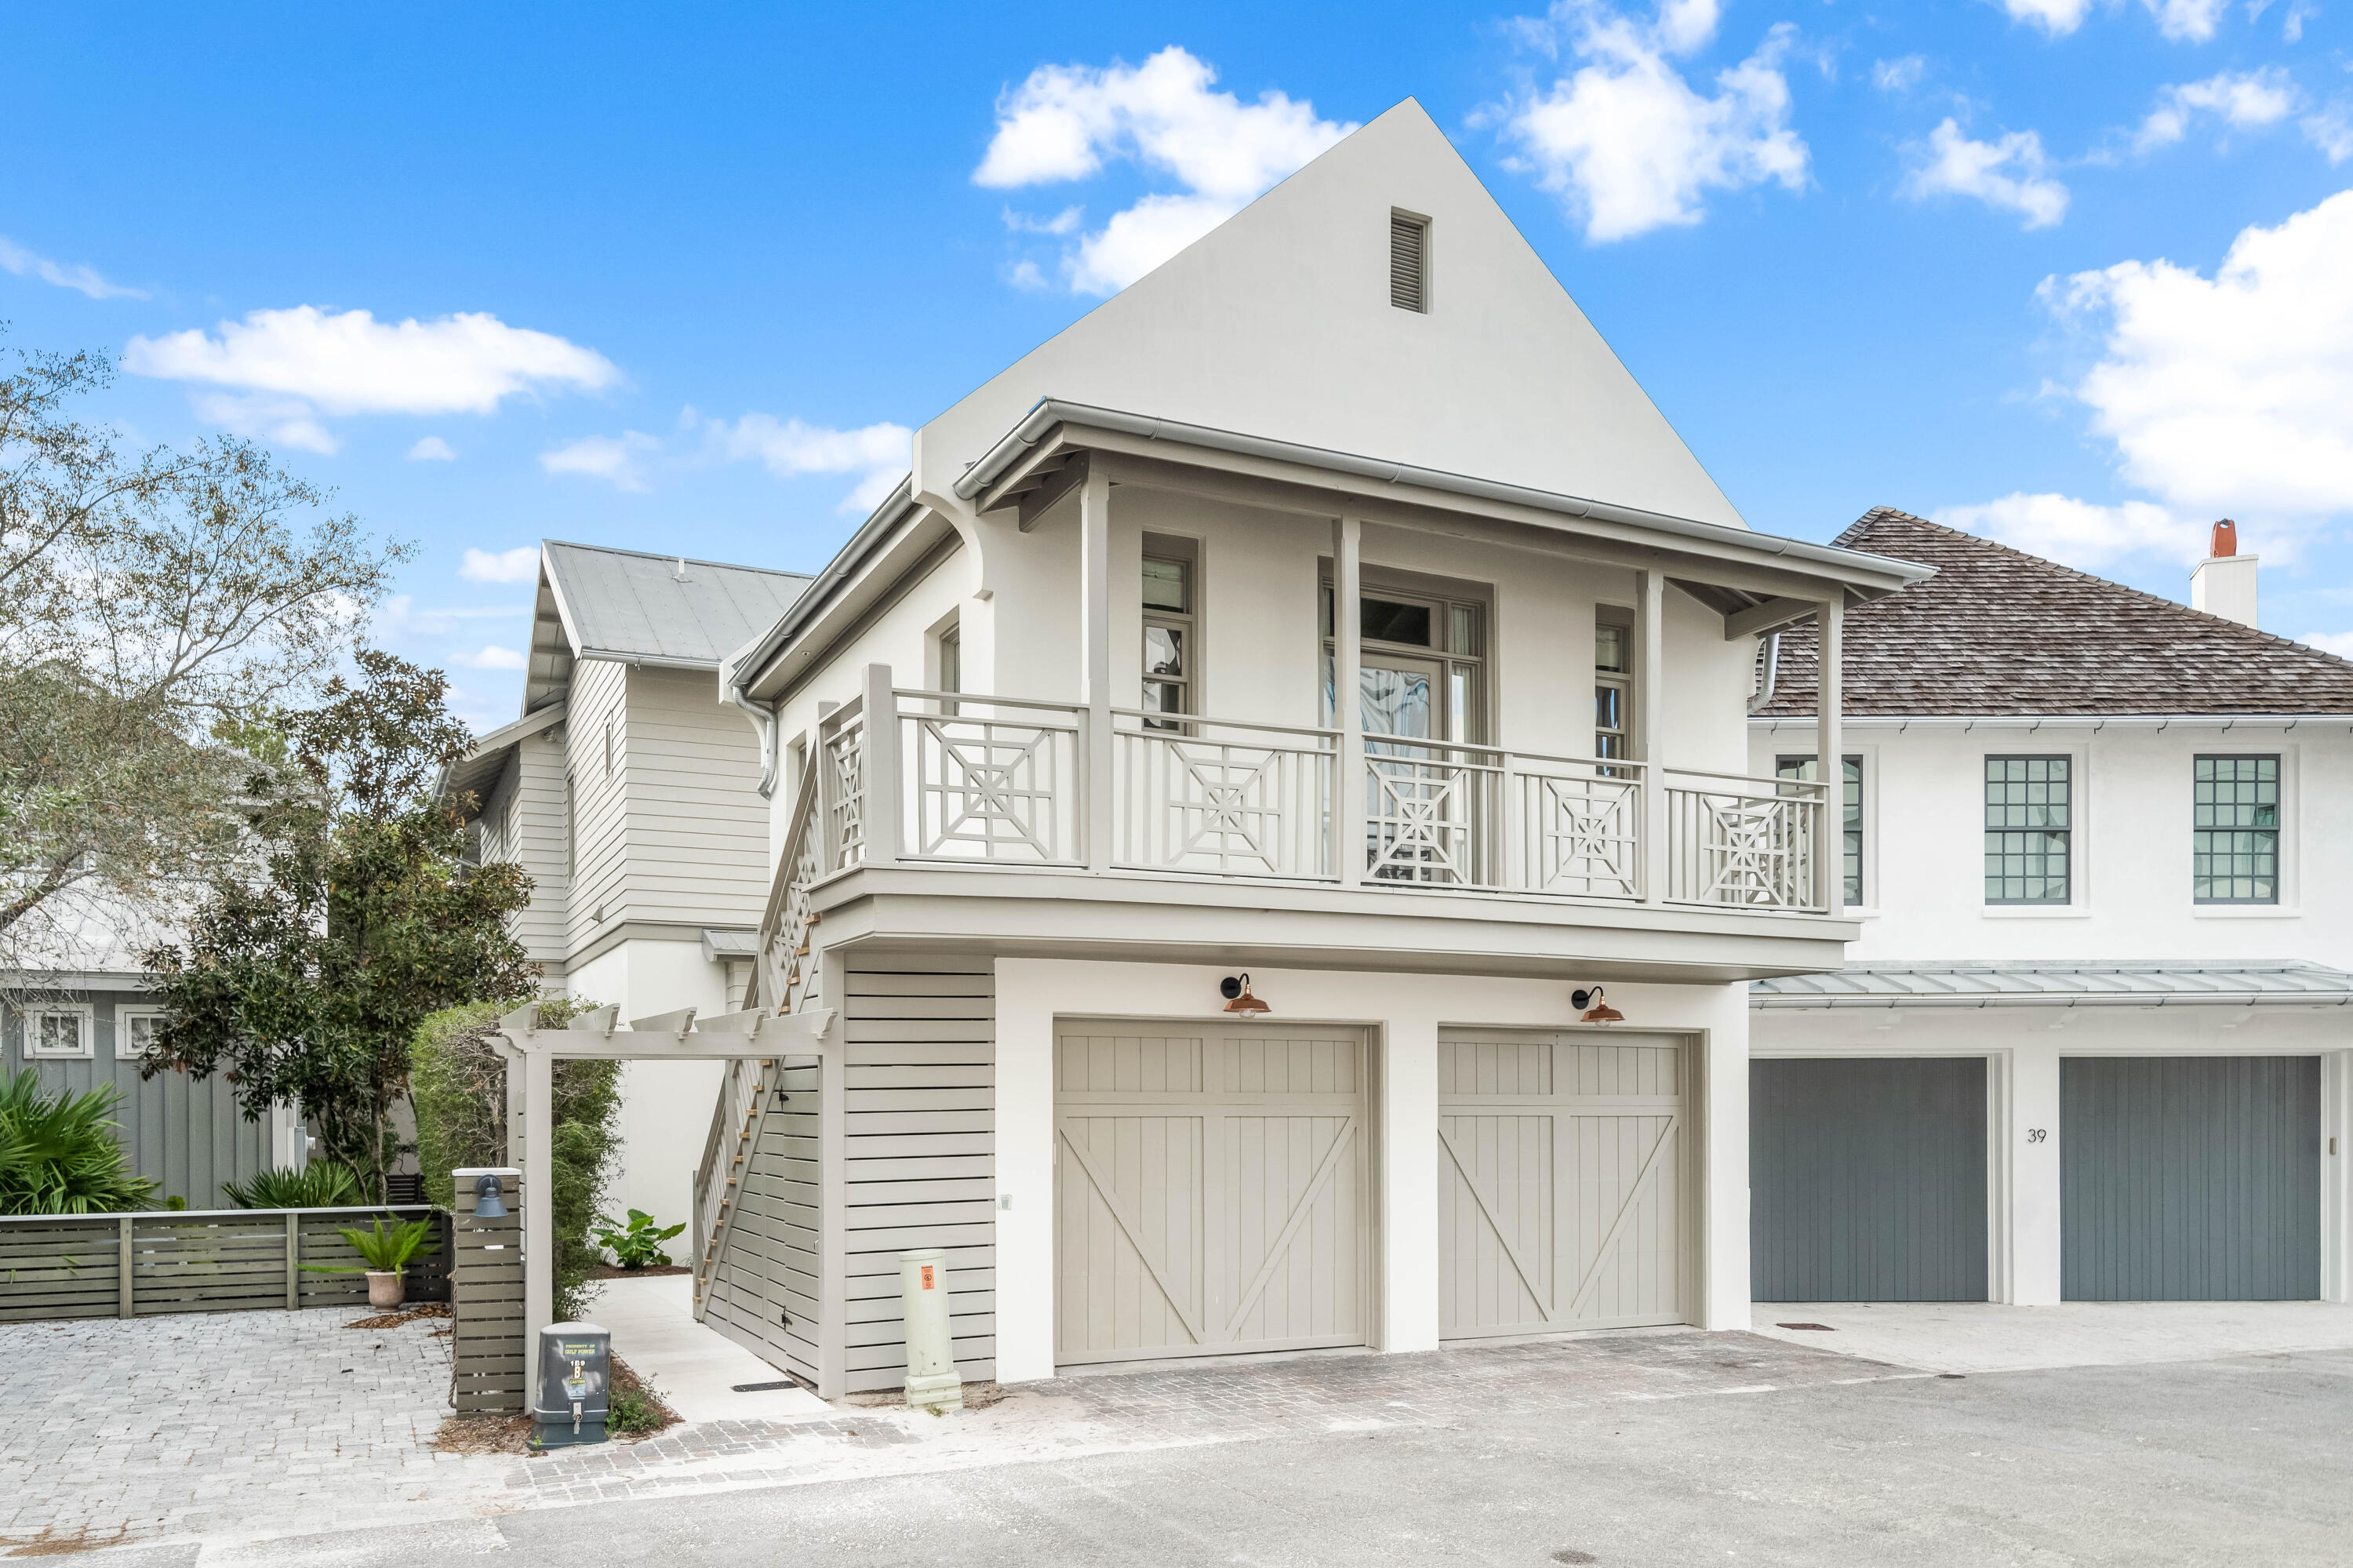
{"x":306,"y":981}
{"x":59,"y":1153}
{"x":459,"y":1083}
{"x":153,"y":606}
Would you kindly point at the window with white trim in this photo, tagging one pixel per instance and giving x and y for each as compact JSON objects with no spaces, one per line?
{"x":1849,"y":815}
{"x":2029,"y":828}
{"x":2235,"y":840}
{"x":135,"y":1028}
{"x":53,"y":1031}
{"x":1172,"y":641}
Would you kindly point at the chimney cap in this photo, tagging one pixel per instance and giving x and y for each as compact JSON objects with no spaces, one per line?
{"x":2226,"y":540}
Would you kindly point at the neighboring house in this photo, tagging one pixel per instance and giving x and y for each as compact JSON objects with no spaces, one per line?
{"x":636,"y":806}
{"x":1062,"y":753}
{"x":2093,"y":1043}
{"x":83,"y":1021}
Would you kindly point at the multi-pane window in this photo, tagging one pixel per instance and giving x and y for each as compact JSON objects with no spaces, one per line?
{"x":134,"y":1032}
{"x":2234,"y":847}
{"x":2029,"y":830}
{"x":1171,"y":646}
{"x":1613,"y":687}
{"x":1424,"y":671}
{"x":1851,"y":814}
{"x":56,"y":1031}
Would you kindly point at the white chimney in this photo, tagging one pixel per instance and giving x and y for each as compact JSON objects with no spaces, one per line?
{"x":2224,"y":582}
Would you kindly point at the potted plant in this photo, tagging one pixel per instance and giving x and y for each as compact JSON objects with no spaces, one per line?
{"x":640,"y":1246}
{"x":386,"y":1251}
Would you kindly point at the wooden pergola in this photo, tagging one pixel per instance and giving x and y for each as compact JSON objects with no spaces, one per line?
{"x":596,"y":1036}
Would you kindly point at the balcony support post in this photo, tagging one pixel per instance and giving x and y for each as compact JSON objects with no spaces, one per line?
{"x":829,"y":791}
{"x":1348,"y":829}
{"x":1829,"y":764}
{"x":1095,"y":657}
{"x":1649,"y":688}
{"x":890,"y":795}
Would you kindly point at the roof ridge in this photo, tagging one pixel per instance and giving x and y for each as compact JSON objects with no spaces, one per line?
{"x":674,"y":556}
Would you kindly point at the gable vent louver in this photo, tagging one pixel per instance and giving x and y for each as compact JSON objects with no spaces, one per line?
{"x":1409,"y":262}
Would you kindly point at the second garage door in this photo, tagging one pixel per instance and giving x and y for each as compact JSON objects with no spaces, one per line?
{"x":1560,"y":1183}
{"x":1210,"y":1190}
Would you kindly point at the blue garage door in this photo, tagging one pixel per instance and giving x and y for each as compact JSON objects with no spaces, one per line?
{"x":1867,"y":1180}
{"x":2189,"y":1178}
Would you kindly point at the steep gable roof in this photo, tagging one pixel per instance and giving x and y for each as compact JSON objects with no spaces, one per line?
{"x":1998,"y":632}
{"x":1278,"y":324}
{"x":598,"y":601}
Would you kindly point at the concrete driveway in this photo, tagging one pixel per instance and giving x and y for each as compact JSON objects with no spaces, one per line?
{"x":1986,"y":1337}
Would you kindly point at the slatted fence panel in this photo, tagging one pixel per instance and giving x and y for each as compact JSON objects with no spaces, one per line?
{"x":64,"y":1267}
{"x":921,"y":1140}
{"x":489,"y":1341}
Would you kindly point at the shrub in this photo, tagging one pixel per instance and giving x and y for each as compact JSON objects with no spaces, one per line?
{"x":58,"y":1154}
{"x":459,"y":1083}
{"x":638,"y":1244}
{"x":322,"y":1184}
{"x":382,"y":1250}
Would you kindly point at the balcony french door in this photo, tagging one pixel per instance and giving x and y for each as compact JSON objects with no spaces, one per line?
{"x":1419,"y":799}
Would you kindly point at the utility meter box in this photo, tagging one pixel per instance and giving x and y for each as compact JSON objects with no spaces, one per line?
{"x":575,"y":1380}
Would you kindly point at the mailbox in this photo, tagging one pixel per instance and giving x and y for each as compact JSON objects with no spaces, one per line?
{"x":576,"y":1378}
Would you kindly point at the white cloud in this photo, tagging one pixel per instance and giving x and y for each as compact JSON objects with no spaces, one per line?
{"x":1897,"y":75}
{"x":2232,"y":395}
{"x":1064,"y":122}
{"x":432,"y":448}
{"x":24,"y":263}
{"x":2337,"y":642}
{"x":287,"y":367}
{"x":2331,"y":130}
{"x":2082,"y":533}
{"x":879,"y":454}
{"x":2244,"y":100}
{"x":2011,"y":174}
{"x":612,"y":458}
{"x":492,"y":657}
{"x":1627,"y":143}
{"x":2056,"y":17}
{"x":2190,"y":20}
{"x":520,"y":564}
{"x":1066,"y":221}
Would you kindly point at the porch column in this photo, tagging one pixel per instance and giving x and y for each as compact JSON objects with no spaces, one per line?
{"x":1408,"y":1156}
{"x":538,"y":1210}
{"x":1094,"y":660}
{"x":1348,"y":700}
{"x":833,"y":1180}
{"x":889,"y":792}
{"x":2028,"y":1170}
{"x":1650,"y":704}
{"x":1829,"y":765}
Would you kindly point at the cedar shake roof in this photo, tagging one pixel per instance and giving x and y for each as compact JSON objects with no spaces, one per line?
{"x":1999,"y":631}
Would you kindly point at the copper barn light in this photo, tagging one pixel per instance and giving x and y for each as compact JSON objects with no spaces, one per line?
{"x":1238,"y":990}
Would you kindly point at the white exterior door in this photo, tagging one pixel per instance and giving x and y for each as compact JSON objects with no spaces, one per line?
{"x":1560,"y":1189}
{"x":1210,"y":1190}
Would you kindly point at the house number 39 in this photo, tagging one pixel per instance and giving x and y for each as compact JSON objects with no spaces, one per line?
{"x":2037,"y":1134}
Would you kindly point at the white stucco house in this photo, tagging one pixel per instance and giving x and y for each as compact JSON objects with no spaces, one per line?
{"x":1330,"y":607}
{"x":638,"y":809}
{"x":2093,"y":1040}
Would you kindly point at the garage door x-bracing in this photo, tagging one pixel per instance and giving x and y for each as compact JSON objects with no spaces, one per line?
{"x":1209,"y":1190}
{"x":1559,"y":1183}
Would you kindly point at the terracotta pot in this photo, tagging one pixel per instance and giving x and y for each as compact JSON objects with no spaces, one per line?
{"x":385,"y":1289}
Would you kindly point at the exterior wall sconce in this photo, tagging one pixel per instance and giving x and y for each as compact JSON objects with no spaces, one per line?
{"x":488,"y":1202}
{"x":1236,"y":992}
{"x":1596,"y":1011}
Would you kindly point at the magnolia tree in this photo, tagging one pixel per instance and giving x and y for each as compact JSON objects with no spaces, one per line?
{"x":154,"y":606}
{"x":305,"y":979}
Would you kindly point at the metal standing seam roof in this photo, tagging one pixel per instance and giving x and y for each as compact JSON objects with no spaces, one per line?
{"x":2116,"y":984}
{"x":595,"y":602}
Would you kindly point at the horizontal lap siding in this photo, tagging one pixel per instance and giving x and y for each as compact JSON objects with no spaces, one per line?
{"x":764,"y":1293}
{"x":922,"y":1171}
{"x":698,"y":830}
{"x":533,"y":838}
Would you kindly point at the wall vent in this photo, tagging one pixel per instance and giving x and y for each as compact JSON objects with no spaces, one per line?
{"x":1408,"y":261}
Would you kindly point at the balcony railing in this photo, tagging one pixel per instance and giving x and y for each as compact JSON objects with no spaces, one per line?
{"x":1007,"y":782}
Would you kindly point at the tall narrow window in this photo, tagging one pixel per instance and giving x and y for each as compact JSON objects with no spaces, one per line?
{"x":1851,"y":816}
{"x":1408,"y":261}
{"x":951,"y":650}
{"x":612,"y":746}
{"x":1171,"y":631}
{"x":571,"y":828}
{"x":2234,"y":845}
{"x":2029,"y":830}
{"x":1613,"y":687}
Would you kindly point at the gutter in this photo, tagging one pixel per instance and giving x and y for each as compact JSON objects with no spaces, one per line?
{"x":2067,"y":721}
{"x":1050,"y":412}
{"x":1780,"y":1003}
{"x":763,"y":719}
{"x":756,"y":653}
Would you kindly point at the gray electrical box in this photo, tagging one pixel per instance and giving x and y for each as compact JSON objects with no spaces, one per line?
{"x":576,"y":1379}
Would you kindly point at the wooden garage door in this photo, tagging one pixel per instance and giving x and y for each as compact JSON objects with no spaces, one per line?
{"x":1209,"y":1190}
{"x":1559,"y":1183}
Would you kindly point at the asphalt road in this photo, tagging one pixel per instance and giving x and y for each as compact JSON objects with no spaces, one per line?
{"x":2243,"y":1460}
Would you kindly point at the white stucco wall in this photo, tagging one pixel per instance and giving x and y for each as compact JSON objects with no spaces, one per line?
{"x":1405,"y":1013}
{"x":665,"y":1106}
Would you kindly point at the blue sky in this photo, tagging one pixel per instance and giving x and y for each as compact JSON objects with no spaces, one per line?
{"x":2063,"y":272}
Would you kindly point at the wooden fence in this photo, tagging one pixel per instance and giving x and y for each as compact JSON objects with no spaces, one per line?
{"x":217,"y":1260}
{"x":490,"y":1340}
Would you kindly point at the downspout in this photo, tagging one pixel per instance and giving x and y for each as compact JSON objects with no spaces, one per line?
{"x":763,"y":719}
{"x":1772,"y":673}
